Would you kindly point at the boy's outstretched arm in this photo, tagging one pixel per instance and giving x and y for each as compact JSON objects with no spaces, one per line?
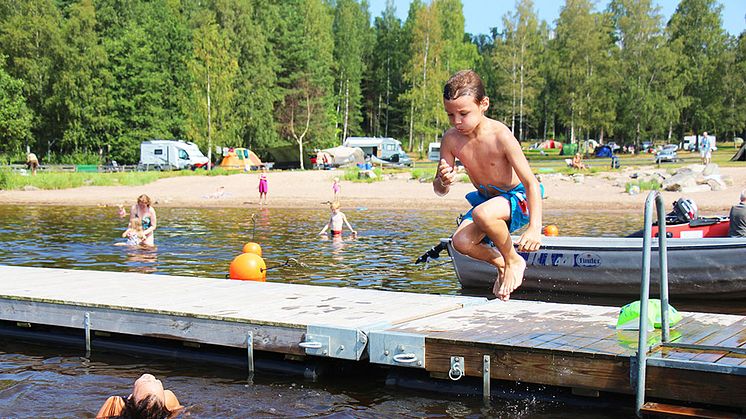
{"x":530,"y":240}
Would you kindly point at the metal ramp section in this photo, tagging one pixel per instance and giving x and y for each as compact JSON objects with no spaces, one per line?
{"x":286,"y":318}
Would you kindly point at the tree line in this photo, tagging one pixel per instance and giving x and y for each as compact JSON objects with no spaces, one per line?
{"x":92,"y":79}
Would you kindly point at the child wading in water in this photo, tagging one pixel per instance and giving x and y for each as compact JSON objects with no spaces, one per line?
{"x":507,"y":191}
{"x":336,"y":222}
{"x":263,"y":186}
{"x":134,"y":233}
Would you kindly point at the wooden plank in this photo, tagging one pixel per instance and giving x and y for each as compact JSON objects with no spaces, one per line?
{"x":534,"y":366}
{"x":669,"y":410}
{"x":696,"y":386}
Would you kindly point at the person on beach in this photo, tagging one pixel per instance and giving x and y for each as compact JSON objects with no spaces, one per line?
{"x":263,"y":186}
{"x":508,"y":195}
{"x":738,"y":218}
{"x":143,"y":213}
{"x":147,"y":400}
{"x":336,"y":189}
{"x":577,"y":162}
{"x":705,"y":149}
{"x":336,"y":222}
{"x":32,"y":162}
{"x":134,"y":233}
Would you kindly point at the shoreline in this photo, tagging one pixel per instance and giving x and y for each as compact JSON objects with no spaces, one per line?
{"x":312,"y":189}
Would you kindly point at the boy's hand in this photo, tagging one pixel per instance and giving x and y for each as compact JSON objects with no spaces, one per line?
{"x":530,"y":240}
{"x":446,"y":173}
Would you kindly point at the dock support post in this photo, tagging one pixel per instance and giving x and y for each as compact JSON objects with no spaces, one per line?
{"x":87,"y":325}
{"x":250,"y":351}
{"x":486,"y":390}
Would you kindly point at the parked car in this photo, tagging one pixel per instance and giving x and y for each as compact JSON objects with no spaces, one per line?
{"x":647,"y":147}
{"x":667,"y":154}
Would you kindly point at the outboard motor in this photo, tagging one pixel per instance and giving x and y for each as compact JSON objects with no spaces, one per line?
{"x":684,"y":210}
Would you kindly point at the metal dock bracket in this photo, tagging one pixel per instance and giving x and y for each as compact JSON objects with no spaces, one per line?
{"x":457,"y":368}
{"x":399,"y":349}
{"x":335,"y":342}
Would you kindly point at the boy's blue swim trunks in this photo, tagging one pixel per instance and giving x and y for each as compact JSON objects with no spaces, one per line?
{"x":518,"y":204}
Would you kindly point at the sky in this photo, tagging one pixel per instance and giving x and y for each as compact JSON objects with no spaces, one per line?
{"x":481,"y":15}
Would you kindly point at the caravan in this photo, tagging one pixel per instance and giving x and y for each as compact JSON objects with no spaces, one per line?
{"x":690,"y":142}
{"x":433,"y":152}
{"x":387,"y":149}
{"x":170,"y":155}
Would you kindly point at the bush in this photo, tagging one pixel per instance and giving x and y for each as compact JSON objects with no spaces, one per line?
{"x":644,"y":185}
{"x":423,"y":175}
{"x":352,"y":174}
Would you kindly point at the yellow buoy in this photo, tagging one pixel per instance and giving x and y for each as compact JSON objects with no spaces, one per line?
{"x":252,"y":247}
{"x":248,"y":267}
{"x":551,"y":230}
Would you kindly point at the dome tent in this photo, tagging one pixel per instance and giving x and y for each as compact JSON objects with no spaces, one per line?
{"x":240,"y":159}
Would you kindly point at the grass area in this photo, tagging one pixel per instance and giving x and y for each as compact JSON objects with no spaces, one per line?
{"x":642,"y":185}
{"x":352,"y":174}
{"x":62,"y":180}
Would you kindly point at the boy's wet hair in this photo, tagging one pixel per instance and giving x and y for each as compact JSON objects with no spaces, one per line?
{"x":464,"y":83}
{"x":334,"y":205}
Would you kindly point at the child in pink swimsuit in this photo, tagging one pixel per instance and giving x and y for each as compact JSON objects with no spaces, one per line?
{"x":263,"y":186}
{"x":337,"y":189}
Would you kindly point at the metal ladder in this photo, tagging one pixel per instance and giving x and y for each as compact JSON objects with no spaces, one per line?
{"x":642,"y":347}
{"x":647,"y":239}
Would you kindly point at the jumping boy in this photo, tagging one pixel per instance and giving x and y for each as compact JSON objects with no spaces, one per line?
{"x":336,"y":222}
{"x":507,"y":191}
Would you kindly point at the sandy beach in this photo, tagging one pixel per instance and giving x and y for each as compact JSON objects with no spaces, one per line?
{"x":309,"y":189}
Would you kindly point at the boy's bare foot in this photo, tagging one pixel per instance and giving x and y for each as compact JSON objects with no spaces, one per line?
{"x":512,"y":278}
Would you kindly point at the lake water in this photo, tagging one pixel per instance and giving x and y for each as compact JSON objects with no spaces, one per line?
{"x":43,"y":381}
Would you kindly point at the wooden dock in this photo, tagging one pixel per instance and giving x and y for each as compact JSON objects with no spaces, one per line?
{"x":563,"y":345}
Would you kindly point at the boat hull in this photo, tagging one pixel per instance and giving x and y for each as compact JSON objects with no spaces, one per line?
{"x":697,"y":268}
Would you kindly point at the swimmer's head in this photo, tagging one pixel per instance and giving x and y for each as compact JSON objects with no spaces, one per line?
{"x":135,"y":224}
{"x":143,"y":200}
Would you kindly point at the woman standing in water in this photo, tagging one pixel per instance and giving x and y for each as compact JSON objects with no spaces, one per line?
{"x":145,"y":214}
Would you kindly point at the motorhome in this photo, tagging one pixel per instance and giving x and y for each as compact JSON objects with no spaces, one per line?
{"x":170,"y":155}
{"x":383,"y":148}
{"x":433,"y":152}
{"x":690,"y":142}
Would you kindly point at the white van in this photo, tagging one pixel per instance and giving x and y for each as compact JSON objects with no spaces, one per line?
{"x":690,"y":142}
{"x":170,"y":155}
{"x":433,"y":152}
{"x":387,"y":149}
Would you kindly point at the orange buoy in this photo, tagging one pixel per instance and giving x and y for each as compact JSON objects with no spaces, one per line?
{"x":252,"y":247}
{"x":551,"y":230}
{"x":249,"y":267}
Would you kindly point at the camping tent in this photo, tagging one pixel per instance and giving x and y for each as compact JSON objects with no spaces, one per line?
{"x":340,"y":156}
{"x":240,"y":159}
{"x":740,"y":154}
{"x":603,"y":151}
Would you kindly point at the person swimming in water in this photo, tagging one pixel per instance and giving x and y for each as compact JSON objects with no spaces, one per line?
{"x":145,"y":213}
